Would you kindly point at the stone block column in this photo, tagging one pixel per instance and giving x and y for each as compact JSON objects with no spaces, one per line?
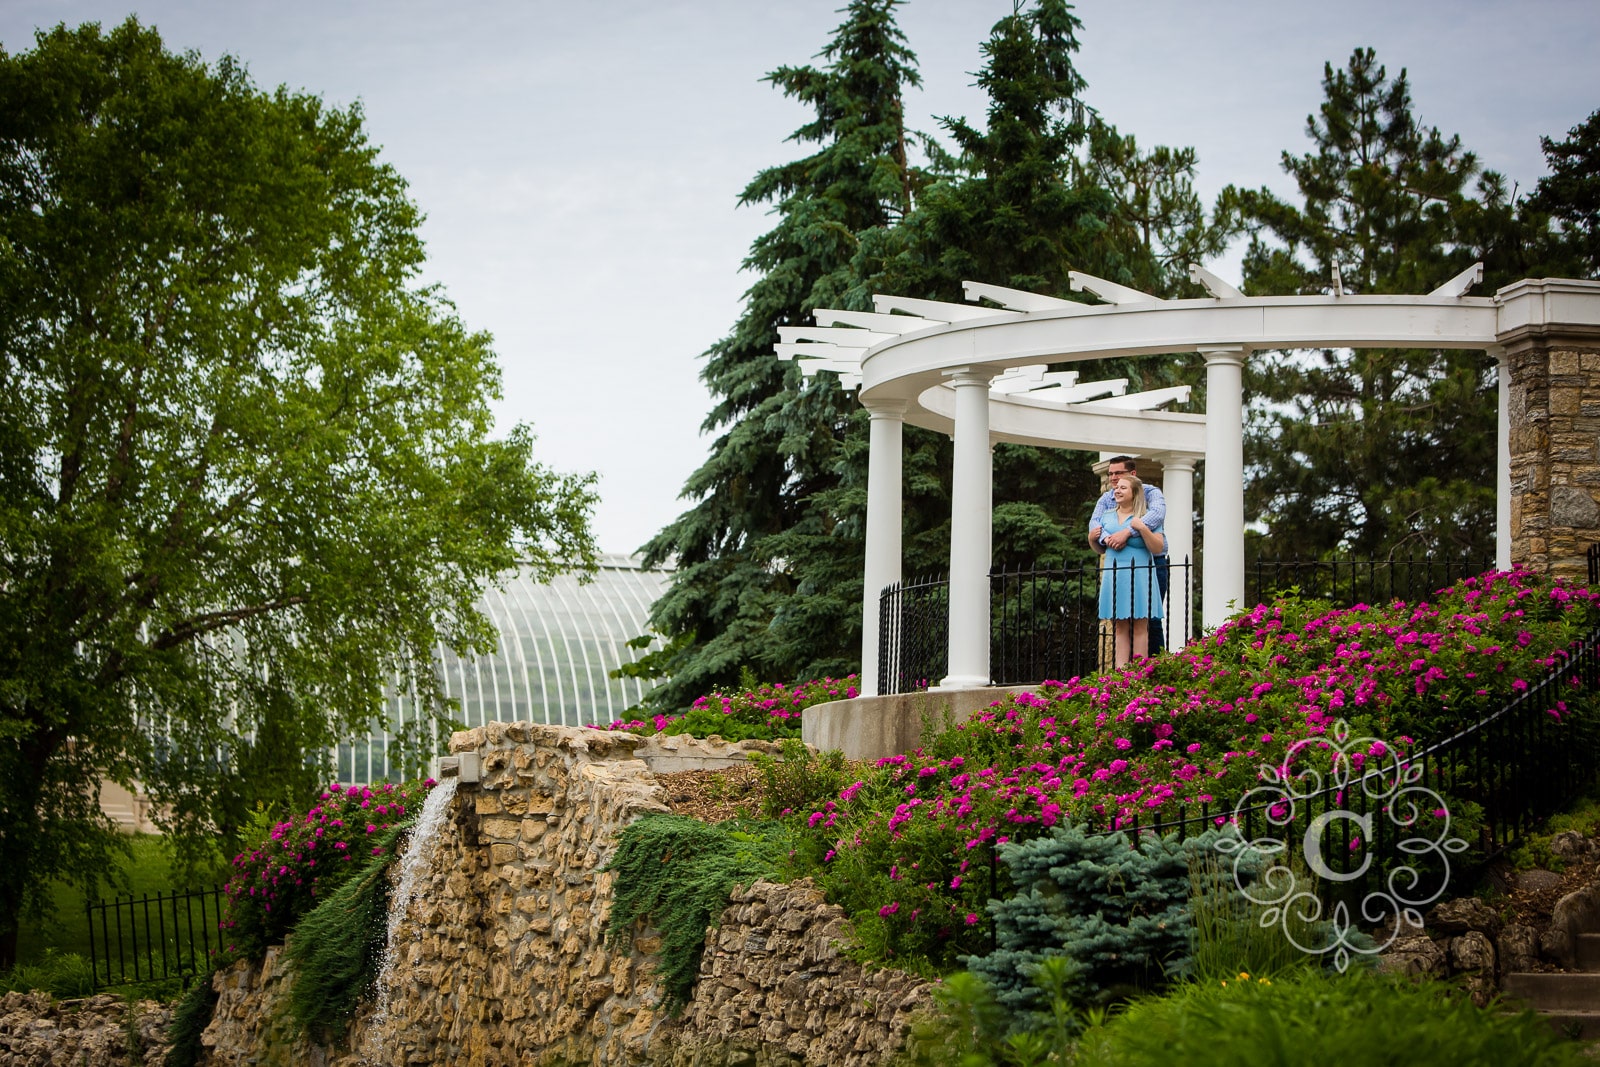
{"x":1550,"y":336}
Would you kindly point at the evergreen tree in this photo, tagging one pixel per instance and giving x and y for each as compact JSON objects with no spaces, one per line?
{"x":1377,"y":452}
{"x":780,"y":438}
{"x":1571,"y":191}
{"x":1045,"y":187}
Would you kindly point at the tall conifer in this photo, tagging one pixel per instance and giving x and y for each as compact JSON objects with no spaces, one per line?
{"x":779,"y":437}
{"x":1377,"y":452}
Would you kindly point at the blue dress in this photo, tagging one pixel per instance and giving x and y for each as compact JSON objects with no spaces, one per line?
{"x":1128,"y":588}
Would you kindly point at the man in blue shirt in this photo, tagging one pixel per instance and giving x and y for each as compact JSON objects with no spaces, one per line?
{"x":1155,"y":517}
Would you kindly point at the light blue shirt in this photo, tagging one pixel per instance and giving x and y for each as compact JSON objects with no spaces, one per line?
{"x":1155,"y":509}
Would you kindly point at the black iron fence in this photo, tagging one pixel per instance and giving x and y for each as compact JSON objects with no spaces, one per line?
{"x":154,"y":937}
{"x":1058,"y":622}
{"x":1048,"y":622}
{"x":1497,"y":780}
{"x":913,"y":634}
{"x":1356,"y":581}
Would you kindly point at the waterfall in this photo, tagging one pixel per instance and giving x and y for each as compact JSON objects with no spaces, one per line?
{"x":413,"y":867}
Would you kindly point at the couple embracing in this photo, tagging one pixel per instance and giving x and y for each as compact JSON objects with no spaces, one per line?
{"x":1126,"y":529}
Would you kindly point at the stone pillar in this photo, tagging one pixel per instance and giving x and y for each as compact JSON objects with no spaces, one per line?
{"x":1502,"y":462}
{"x":1550,"y":334}
{"x":1222,"y":581}
{"x":884,"y":527}
{"x":1178,"y":487}
{"x":971,"y":531}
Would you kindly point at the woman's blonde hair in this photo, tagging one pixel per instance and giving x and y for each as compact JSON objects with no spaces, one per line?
{"x":1138,"y":493}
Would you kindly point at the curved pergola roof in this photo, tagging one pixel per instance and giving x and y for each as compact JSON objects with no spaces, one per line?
{"x":906,"y":350}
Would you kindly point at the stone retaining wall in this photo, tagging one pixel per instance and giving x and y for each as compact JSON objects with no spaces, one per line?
{"x":101,"y":1031}
{"x":505,"y":960}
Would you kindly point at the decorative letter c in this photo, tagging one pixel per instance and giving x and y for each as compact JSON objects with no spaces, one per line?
{"x":1313,"y":845}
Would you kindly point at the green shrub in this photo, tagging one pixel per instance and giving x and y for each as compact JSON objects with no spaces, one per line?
{"x":1311,"y":1019}
{"x":1118,"y":914}
{"x":337,"y":948}
{"x":797,"y":779}
{"x":61,"y":974}
{"x":189,"y":1020}
{"x":675,"y":873}
{"x":1229,"y":936}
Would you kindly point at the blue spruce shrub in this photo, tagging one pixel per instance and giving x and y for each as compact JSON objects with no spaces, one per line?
{"x":1117,"y":912}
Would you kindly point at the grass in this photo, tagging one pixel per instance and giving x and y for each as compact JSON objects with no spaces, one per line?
{"x":147,"y":870}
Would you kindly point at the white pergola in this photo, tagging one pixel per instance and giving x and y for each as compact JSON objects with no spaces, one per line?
{"x":977,"y":372}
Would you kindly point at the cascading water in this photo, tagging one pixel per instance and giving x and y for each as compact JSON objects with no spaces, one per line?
{"x":413,"y":866}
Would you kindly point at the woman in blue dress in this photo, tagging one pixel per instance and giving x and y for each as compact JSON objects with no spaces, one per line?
{"x":1128,"y":591}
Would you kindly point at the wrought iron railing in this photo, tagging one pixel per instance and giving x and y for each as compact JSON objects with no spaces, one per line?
{"x":154,"y":937}
{"x":913,"y":629}
{"x":1046,"y":621}
{"x":1499,"y":778}
{"x":1347,"y":582}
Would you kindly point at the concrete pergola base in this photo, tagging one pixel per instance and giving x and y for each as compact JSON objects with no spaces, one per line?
{"x":870,"y":728}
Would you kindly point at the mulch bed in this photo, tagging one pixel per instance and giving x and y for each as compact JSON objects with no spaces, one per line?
{"x":714,"y":796}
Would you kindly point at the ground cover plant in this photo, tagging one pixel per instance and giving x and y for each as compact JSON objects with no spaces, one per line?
{"x":910,"y":849}
{"x":767,"y":712}
{"x":674,"y":874}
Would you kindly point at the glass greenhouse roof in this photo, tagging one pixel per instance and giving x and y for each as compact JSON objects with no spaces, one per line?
{"x":559,"y":642}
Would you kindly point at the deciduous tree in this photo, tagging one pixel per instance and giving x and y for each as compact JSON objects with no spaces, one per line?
{"x":246,"y":472}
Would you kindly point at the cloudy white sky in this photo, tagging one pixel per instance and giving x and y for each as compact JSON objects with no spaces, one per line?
{"x":580,"y":163}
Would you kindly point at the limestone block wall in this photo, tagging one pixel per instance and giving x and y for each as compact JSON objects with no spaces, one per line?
{"x":1554,"y":409}
{"x":504,"y":959}
{"x":99,"y":1031}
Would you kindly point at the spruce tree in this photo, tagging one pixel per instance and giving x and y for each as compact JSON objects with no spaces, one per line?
{"x":1376,"y":453}
{"x":780,"y":437}
{"x":1571,"y":191}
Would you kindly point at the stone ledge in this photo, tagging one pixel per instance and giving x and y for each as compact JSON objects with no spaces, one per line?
{"x":870,"y":728}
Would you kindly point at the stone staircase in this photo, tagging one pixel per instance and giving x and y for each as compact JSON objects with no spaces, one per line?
{"x":1569,"y":999}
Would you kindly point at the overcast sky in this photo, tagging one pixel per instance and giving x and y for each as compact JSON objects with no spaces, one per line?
{"x":579,"y":164}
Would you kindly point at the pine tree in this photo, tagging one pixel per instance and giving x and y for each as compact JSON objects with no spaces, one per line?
{"x":1571,"y":191}
{"x":780,"y":438}
{"x":1374,"y":452}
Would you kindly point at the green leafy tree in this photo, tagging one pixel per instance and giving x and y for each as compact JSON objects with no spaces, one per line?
{"x":780,"y":437}
{"x":246,"y":472}
{"x":1377,"y":452}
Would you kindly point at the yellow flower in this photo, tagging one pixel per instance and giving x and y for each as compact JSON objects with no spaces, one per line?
{"x":1244,"y":976}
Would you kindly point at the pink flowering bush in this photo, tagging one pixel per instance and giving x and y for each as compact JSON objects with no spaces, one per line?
{"x":306,"y":857}
{"x":909,"y":848}
{"x":768,"y":712}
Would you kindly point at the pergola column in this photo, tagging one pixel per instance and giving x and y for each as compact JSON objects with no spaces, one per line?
{"x":1502,"y":463}
{"x":1177,"y":483}
{"x":1549,"y":330}
{"x":1222,"y":581}
{"x":884,"y":526}
{"x":971,"y":526}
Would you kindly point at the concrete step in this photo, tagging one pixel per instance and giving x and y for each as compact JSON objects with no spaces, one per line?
{"x":1562,"y":993}
{"x":1577,"y":1025}
{"x":1588,"y":952}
